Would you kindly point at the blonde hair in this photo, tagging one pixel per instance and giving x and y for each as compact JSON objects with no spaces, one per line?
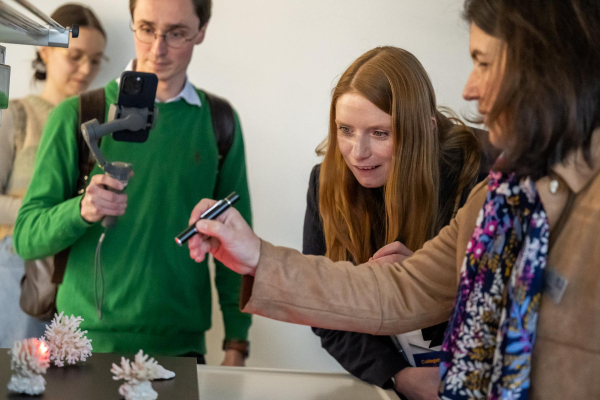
{"x":355,"y":225}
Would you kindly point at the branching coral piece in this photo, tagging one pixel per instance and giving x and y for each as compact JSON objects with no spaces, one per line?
{"x":137,"y":376}
{"x":66,"y":341}
{"x":29,"y":361}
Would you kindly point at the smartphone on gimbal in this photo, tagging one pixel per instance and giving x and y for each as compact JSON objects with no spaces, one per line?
{"x":137,"y":90}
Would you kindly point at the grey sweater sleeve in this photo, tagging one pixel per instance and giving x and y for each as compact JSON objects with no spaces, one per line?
{"x":9,"y":206}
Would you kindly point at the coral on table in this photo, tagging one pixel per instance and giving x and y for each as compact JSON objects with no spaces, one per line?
{"x":66,"y":341}
{"x":137,"y":376}
{"x":29,"y":360}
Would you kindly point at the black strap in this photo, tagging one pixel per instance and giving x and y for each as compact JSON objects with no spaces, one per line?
{"x":92,"y":105}
{"x":223,"y":121}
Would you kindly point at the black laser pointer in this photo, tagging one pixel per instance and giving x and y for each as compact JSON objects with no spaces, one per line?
{"x":212,"y":213}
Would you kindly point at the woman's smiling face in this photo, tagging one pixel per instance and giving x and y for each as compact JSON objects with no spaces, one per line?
{"x":364,"y":138}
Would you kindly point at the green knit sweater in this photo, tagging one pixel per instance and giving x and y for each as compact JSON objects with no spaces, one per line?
{"x":156,"y":297}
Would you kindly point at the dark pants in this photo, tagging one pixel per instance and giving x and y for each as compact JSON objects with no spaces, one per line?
{"x":199,"y":357}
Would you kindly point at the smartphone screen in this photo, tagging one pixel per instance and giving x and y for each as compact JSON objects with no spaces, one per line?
{"x":137,"y":90}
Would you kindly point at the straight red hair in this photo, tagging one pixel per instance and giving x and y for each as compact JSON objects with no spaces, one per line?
{"x":355,"y":224}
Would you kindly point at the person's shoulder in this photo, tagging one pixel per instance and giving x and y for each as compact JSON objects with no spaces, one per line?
{"x":201,"y":92}
{"x":111,"y":91}
{"x":481,"y":187}
{"x":67,"y":108}
{"x":204,"y":94}
{"x":18,"y":106}
{"x":313,"y":182}
{"x":477,"y":195}
{"x":15,"y":102}
{"x":22,"y":110}
{"x":15,"y":107}
{"x":314,"y":174}
{"x":12,"y":117}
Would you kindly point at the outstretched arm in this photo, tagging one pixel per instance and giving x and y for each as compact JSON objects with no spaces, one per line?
{"x":315,"y":291}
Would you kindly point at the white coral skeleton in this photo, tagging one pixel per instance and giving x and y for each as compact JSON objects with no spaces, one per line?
{"x":66,"y":341}
{"x":29,"y":361}
{"x":137,"y":376}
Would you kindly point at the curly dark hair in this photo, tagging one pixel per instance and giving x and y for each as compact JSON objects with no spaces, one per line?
{"x":549,"y":98}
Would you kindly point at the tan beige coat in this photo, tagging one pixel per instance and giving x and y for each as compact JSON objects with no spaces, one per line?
{"x":392,"y":299}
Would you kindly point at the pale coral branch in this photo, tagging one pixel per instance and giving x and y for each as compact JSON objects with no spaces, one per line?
{"x":66,"y":341}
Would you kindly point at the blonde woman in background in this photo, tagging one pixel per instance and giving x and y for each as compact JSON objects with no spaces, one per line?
{"x":65,"y":72}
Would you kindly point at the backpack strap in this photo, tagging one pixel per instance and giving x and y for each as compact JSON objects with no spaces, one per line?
{"x":92,"y":105}
{"x":223,"y":121}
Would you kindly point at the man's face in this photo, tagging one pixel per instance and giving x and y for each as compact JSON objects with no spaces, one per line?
{"x":174,"y":17}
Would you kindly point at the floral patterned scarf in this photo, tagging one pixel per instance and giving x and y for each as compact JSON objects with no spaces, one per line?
{"x":489,"y":341}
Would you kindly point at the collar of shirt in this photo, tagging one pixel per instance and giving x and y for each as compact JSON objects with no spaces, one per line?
{"x":188,"y":94}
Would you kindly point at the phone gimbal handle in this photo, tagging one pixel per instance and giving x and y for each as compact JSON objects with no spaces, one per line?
{"x":121,"y":172}
{"x":120,"y":119}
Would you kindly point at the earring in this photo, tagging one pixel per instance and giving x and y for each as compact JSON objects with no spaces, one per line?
{"x":40,"y":67}
{"x":40,"y":64}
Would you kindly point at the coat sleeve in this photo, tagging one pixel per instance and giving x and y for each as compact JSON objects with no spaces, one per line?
{"x":369,"y":298}
{"x":373,"y":359}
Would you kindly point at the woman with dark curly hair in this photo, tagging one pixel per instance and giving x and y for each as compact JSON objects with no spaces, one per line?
{"x":523,"y":251}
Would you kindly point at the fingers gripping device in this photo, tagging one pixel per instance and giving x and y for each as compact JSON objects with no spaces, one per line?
{"x":119,"y":119}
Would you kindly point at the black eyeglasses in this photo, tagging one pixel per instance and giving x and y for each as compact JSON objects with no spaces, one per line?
{"x":177,"y":37}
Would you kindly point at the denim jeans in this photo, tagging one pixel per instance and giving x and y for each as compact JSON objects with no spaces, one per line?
{"x":14,"y":323}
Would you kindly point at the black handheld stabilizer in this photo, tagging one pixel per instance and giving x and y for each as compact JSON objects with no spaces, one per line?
{"x":122,"y":119}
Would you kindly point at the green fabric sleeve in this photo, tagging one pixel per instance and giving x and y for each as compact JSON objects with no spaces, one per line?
{"x":49,"y":219}
{"x":232,"y":177}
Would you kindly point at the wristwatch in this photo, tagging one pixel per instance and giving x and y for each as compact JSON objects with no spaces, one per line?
{"x":243,"y":346}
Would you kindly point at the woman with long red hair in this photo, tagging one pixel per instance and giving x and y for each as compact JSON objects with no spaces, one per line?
{"x":395,"y":170}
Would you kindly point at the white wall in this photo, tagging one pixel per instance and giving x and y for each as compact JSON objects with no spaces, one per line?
{"x":277,"y":61}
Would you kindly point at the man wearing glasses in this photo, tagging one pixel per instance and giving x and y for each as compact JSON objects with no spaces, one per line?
{"x":155,"y":297}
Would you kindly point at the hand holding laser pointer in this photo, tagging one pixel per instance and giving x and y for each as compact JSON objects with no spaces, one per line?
{"x":228,"y":238}
{"x":212,"y":213}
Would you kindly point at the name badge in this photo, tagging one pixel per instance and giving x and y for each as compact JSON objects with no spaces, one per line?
{"x":430,"y":359}
{"x":555,"y":284}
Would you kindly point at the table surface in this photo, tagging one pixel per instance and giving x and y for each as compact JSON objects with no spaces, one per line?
{"x":92,"y":380}
{"x":232,"y":383}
